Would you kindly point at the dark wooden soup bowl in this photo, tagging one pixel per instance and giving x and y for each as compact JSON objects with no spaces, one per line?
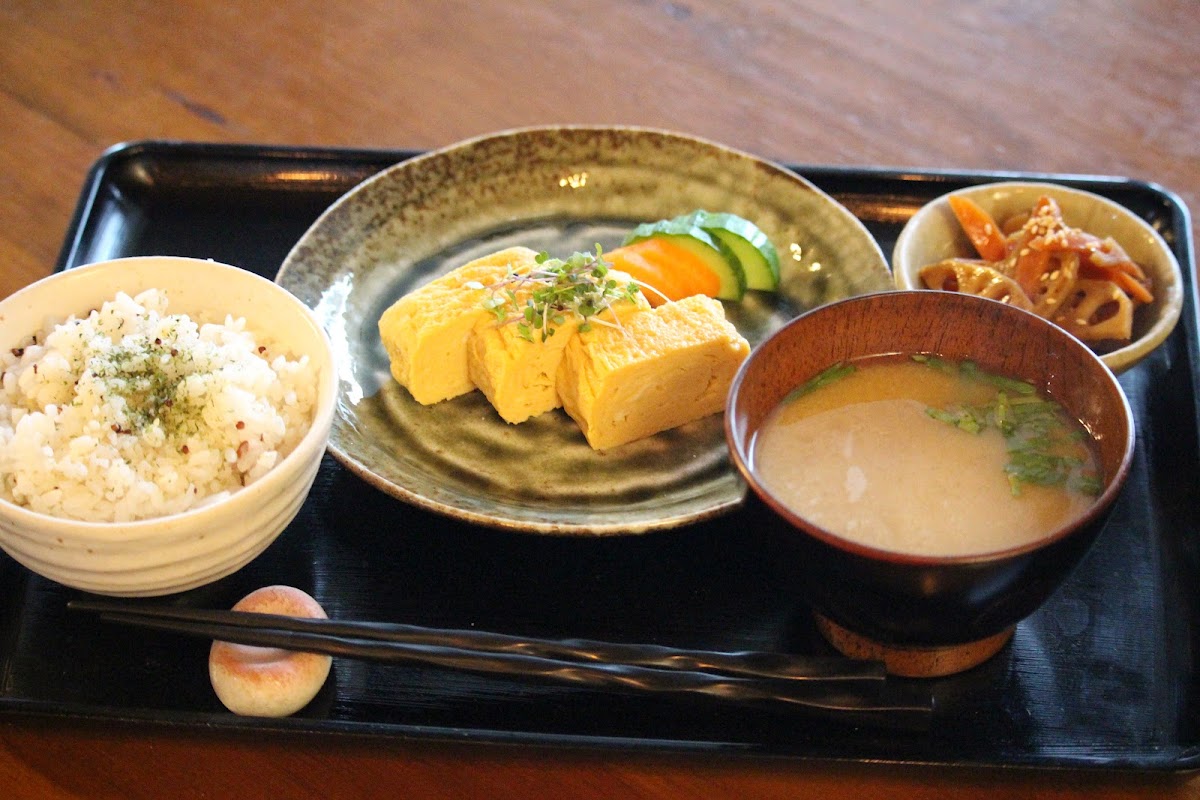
{"x":924,"y":615}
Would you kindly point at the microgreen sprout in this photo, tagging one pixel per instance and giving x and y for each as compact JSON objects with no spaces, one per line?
{"x":540,"y":301}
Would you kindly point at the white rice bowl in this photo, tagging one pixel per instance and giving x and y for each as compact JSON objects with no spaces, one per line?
{"x":162,"y":427}
{"x":131,"y":412}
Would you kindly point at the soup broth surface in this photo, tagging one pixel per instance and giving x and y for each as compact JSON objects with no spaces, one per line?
{"x":876,"y":456}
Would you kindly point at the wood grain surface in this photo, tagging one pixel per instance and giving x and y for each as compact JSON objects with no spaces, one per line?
{"x":1104,"y":87}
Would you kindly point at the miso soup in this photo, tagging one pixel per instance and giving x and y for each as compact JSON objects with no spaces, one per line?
{"x":923,"y":456}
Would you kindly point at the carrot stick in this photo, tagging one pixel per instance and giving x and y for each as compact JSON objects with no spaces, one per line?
{"x":1132,"y":287}
{"x":980,"y":228}
{"x":1125,"y":280}
{"x":1031,"y":264}
{"x":1107,"y":253}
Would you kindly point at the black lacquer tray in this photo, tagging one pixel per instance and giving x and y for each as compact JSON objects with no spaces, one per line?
{"x":1104,"y":676}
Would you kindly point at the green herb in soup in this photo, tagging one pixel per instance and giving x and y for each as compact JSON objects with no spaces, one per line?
{"x":822,"y":378}
{"x":1045,"y":446}
{"x":927,"y":456}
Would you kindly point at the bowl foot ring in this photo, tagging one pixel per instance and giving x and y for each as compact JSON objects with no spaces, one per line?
{"x":909,"y":661}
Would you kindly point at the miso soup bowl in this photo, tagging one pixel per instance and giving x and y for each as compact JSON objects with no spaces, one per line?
{"x":929,"y":615}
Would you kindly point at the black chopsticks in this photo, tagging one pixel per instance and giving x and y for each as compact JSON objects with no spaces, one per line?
{"x":850,"y":689}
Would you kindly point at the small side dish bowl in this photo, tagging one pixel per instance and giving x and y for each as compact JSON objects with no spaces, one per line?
{"x":933,"y":234}
{"x":179,"y":551}
{"x":929,"y":615}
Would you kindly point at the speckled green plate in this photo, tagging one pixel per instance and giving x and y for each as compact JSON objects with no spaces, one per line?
{"x":558,"y":189}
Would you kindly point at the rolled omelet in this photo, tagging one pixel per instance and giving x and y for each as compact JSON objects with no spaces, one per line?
{"x":663,"y":368}
{"x":519,"y":377}
{"x":427,"y":332}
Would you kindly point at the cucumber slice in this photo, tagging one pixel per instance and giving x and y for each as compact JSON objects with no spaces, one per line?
{"x":718,"y":256}
{"x":754,"y":249}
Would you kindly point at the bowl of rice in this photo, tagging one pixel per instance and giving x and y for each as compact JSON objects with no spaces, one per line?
{"x":161,"y":422}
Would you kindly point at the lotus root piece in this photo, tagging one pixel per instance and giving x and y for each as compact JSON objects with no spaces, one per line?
{"x":974,"y":277}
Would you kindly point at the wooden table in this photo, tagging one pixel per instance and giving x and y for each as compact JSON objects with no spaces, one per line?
{"x":1103,"y":87}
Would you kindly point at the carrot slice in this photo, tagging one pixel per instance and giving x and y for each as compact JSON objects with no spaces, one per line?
{"x":980,"y":228}
{"x":667,"y":268}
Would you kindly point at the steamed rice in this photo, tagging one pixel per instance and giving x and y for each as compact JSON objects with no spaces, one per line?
{"x":131,"y":412}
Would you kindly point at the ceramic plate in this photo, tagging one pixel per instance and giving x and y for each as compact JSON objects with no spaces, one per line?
{"x":557,"y":189}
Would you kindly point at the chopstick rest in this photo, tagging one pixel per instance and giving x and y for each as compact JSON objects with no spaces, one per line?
{"x":251,"y":681}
